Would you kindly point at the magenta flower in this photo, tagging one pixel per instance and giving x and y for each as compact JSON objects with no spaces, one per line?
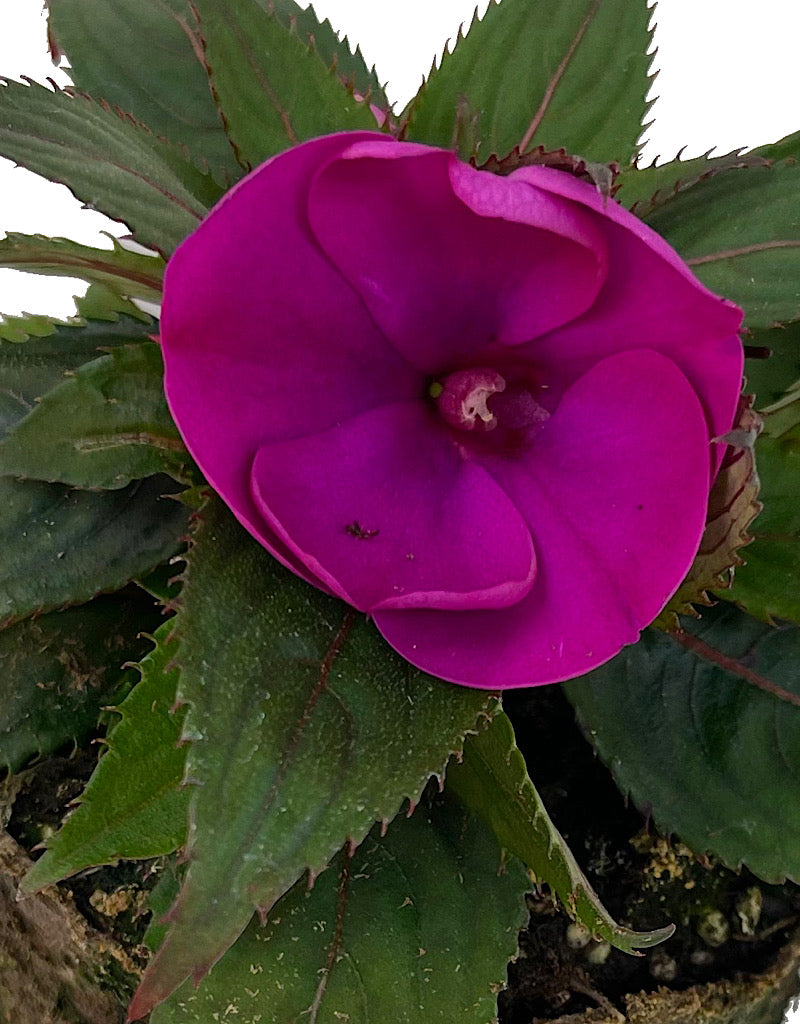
{"x":479,"y":408}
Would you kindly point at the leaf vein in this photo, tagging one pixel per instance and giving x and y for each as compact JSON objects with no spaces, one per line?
{"x":745,"y":250}
{"x":552,"y":85}
{"x":703,"y":650}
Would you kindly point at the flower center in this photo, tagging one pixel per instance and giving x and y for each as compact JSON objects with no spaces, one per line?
{"x":463,"y":398}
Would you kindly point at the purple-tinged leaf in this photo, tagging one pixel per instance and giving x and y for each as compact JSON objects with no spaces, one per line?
{"x":305,"y":729}
{"x":107,"y":160}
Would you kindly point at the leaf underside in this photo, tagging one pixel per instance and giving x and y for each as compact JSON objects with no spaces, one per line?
{"x":413,"y":927}
{"x":703,"y":729}
{"x":305,"y":729}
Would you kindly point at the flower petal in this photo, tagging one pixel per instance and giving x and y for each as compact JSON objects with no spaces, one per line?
{"x":650,"y":299}
{"x":386,"y":512}
{"x":449,"y":259}
{"x":249,"y":359}
{"x":615,"y":492}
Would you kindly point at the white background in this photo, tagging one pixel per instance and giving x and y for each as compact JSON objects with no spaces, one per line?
{"x":727,"y":78}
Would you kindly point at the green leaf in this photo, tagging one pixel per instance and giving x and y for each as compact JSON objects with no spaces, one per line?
{"x":702,"y":728}
{"x":60,"y":546}
{"x":58,"y":671}
{"x":131,"y":273}
{"x":787,"y":148}
{"x":782,"y":418}
{"x":107,"y":161}
{"x":141,"y":56}
{"x":29,"y":325}
{"x":335,"y":52}
{"x":163,"y":583}
{"x":414,"y":927}
{"x":133,"y":806}
{"x":572,"y":74}
{"x":306,"y":729}
{"x":104,"y":426}
{"x":740,"y":233}
{"x":273,"y":90}
{"x":30,"y":369}
{"x":766,"y":585}
{"x":100,"y":302}
{"x":770,"y":378}
{"x":160,"y":899}
{"x":493,"y":783}
{"x":645,"y":189}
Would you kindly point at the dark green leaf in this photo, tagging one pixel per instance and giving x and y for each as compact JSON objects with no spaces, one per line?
{"x":306,"y":729}
{"x":131,"y":273}
{"x":108,"y":161}
{"x":335,"y":52}
{"x":767,"y":584}
{"x":770,"y":378}
{"x":133,"y":806}
{"x":645,"y":189}
{"x":163,"y":583}
{"x":104,"y":426}
{"x":415,"y":927}
{"x":740,"y":233}
{"x":572,"y":74}
{"x":58,"y":671}
{"x":160,"y":899}
{"x":493,"y":783}
{"x":787,"y":148}
{"x":30,"y":369}
{"x":273,"y":90}
{"x":60,"y":546}
{"x":702,"y":728}
{"x":141,"y":56}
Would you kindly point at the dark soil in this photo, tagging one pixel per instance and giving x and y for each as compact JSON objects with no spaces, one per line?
{"x":727,"y":923}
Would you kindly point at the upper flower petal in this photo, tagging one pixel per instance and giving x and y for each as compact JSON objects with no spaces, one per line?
{"x":385,"y":511}
{"x":449,"y":259}
{"x":262,"y":337}
{"x":614,"y":490}
{"x":650,"y":298}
